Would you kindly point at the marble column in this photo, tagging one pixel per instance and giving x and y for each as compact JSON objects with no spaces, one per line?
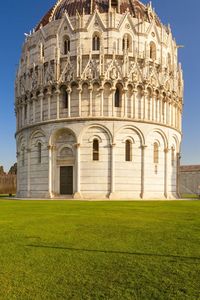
{"x":166,"y":151}
{"x":142,"y":194}
{"x":49,"y":94}
{"x":125,"y":90}
{"x":145,"y":94}
{"x":77,"y":194}
{"x":57,"y":93}
{"x":50,"y":171}
{"x":134,"y":91}
{"x":28,"y":111}
{"x":79,"y":100}
{"x":102,"y":101}
{"x":69,"y":90}
{"x":28,"y":172}
{"x":112,"y":175}
{"x":40,"y":98}
{"x":34,"y":102}
{"x":90,"y":88}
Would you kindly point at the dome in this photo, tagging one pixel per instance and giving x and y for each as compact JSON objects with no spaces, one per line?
{"x":136,"y":8}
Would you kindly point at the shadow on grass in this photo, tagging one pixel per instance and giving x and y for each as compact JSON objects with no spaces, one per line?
{"x":117,"y":252}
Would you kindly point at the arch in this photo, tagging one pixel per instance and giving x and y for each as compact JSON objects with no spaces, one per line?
{"x":162,"y":134}
{"x":41,"y":138}
{"x":177,"y":143}
{"x":152,"y":50}
{"x":95,"y":137}
{"x":20,"y":140}
{"x":84,"y":130}
{"x":60,"y":151}
{"x":129,"y":138}
{"x":137,"y":130}
{"x":96,"y":41}
{"x":57,"y":131}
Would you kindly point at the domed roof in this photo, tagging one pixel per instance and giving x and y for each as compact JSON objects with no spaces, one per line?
{"x":135,"y":7}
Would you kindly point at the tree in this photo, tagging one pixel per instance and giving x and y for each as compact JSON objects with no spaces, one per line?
{"x":2,"y":170}
{"x":13,"y":169}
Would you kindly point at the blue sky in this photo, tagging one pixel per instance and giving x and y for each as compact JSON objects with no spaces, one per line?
{"x":18,"y":17}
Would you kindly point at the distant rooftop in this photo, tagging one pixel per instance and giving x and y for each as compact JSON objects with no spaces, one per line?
{"x":190,"y":168}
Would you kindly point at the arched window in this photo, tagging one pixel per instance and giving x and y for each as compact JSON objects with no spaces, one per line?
{"x":39,"y":150}
{"x":66,"y":45}
{"x":123,"y":44}
{"x":117,"y":97}
{"x":152,"y":51}
{"x":66,"y":99}
{"x":155,"y":153}
{"x":173,"y":156}
{"x":128,"y":150}
{"x":95,"y":43}
{"x":95,"y":149}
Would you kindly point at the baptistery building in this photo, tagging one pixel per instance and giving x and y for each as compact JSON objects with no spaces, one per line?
{"x":99,"y":96}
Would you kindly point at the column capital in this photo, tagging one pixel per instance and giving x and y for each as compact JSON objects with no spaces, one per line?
{"x":134,"y":90}
{"x":143,"y":147}
{"x":69,"y":90}
{"x":124,"y":90}
{"x":52,"y":147}
{"x":113,"y":145}
{"x":90,"y":87}
{"x":166,"y":150}
{"x":77,"y":145}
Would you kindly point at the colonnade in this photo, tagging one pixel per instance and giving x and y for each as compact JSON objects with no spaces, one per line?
{"x":135,"y":103}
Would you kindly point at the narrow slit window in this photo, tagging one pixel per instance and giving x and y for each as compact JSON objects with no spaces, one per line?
{"x":23,"y":156}
{"x":95,"y":43}
{"x":95,"y":149}
{"x":39,"y":153}
{"x":123,"y":44}
{"x":117,"y":97}
{"x":128,"y":151}
{"x":152,"y":51}
{"x":173,"y":156}
{"x":25,"y":111}
{"x":156,"y":153}
{"x":66,"y":99}
{"x":66,"y":46}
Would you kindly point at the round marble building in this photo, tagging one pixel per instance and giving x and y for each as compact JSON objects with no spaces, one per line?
{"x":99,"y":96}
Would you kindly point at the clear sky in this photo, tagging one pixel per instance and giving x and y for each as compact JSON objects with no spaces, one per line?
{"x":19,"y":17}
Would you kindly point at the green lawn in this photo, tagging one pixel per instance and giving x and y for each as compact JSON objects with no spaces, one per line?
{"x":99,"y":250}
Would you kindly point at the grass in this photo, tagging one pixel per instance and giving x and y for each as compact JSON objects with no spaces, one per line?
{"x":99,"y":250}
{"x":190,"y":196}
